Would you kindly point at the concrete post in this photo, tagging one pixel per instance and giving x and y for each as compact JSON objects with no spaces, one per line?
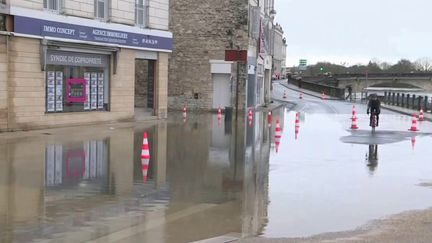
{"x":397,"y":99}
{"x":426,"y":103}
{"x":419,"y":102}
{"x":413,"y":101}
{"x":385,"y":97}
{"x":408,"y":101}
{"x":403,"y":100}
{"x":393,"y":98}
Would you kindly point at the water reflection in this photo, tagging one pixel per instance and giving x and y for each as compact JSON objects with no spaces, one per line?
{"x":372,"y":158}
{"x":204,"y":176}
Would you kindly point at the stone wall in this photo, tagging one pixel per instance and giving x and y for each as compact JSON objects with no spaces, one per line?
{"x":202,"y":32}
{"x":3,"y":83}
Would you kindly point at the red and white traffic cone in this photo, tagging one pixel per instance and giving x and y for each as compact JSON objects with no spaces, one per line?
{"x":269,"y":119}
{"x":323,"y":96}
{"x":414,"y":124}
{"x":284,"y":95}
{"x":354,"y":123}
{"x":297,"y":125}
{"x":145,"y":157}
{"x":250,"y":117}
{"x":301,"y":95}
{"x":145,"y":167}
{"x":219,"y":113}
{"x":421,"y":115}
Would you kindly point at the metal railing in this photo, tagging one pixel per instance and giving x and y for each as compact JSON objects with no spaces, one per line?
{"x":409,"y":101}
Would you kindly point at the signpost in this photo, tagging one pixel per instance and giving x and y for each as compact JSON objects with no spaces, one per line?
{"x":302,"y":64}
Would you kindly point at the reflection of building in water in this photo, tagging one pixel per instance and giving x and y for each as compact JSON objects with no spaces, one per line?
{"x":372,"y":157}
{"x":87,"y":160}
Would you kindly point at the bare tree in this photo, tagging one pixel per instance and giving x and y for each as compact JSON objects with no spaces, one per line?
{"x":424,"y":64}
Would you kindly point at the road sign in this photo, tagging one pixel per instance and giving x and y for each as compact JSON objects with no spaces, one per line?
{"x":302,"y":64}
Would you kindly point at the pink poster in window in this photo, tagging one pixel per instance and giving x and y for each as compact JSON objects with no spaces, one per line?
{"x":76,"y":90}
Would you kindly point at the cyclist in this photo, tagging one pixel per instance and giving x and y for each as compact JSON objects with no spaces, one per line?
{"x":374,"y":106}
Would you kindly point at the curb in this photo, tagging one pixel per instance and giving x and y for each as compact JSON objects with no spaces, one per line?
{"x":404,"y":112}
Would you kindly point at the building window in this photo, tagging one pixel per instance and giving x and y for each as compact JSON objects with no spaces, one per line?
{"x":2,"y":22}
{"x":101,"y":9}
{"x":141,"y":10}
{"x":53,"y":5}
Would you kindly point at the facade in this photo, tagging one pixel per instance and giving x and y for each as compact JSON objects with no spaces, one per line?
{"x":279,"y":52}
{"x":199,"y":76}
{"x":66,"y":62}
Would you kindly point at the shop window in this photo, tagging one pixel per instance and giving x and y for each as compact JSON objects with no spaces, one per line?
{"x":101,"y":9}
{"x":141,"y":13}
{"x":76,"y":89}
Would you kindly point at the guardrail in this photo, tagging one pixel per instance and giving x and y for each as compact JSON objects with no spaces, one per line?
{"x":409,"y":101}
{"x":312,"y":86}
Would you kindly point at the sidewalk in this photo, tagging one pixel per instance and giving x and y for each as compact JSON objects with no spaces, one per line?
{"x":405,"y":111}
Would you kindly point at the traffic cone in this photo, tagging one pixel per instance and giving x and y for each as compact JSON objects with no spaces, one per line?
{"x":184,"y":112}
{"x":414,"y":124}
{"x":250,"y":117}
{"x":269,"y":118}
{"x":145,"y":167}
{"x":145,"y":151}
{"x":284,"y":95}
{"x":301,"y":95}
{"x":421,"y":116}
{"x":354,"y":123}
{"x":219,"y":113}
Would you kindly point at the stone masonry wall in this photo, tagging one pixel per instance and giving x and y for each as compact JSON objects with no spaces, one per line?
{"x":202,"y":32}
{"x":3,"y":83}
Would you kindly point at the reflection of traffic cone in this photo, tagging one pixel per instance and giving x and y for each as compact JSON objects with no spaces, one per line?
{"x":284,"y":95}
{"x":421,"y":116}
{"x":145,"y":151}
{"x":278,"y":130}
{"x":414,"y":124}
{"x":184,"y":113}
{"x":219,"y":113}
{"x":413,"y":142}
{"x":144,"y":167}
{"x":297,"y":125}
{"x":269,"y":118}
{"x":301,"y":95}
{"x":250,"y":117}
{"x":278,"y":135}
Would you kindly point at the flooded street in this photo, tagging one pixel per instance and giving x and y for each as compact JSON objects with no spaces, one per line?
{"x":208,"y":178}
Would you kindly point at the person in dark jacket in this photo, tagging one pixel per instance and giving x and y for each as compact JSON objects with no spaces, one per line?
{"x":374,"y":106}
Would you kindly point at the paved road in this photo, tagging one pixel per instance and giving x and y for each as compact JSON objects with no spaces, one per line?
{"x":329,"y":178}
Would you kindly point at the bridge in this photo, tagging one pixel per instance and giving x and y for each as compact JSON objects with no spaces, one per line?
{"x":358,"y":82}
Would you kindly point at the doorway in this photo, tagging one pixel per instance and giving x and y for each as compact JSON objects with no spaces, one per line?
{"x":144,"y":87}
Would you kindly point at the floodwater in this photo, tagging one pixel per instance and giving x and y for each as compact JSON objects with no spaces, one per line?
{"x":209,"y":178}
{"x":90,"y":184}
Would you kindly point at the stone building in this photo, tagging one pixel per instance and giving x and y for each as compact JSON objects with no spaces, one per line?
{"x":66,"y":62}
{"x":279,"y":51}
{"x":198,"y":75}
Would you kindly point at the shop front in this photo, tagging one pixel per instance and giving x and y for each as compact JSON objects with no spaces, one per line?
{"x":65,"y":70}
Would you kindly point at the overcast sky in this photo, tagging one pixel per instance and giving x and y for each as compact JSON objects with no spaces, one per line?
{"x":355,"y":31}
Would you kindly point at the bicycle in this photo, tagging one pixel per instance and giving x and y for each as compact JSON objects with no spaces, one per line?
{"x":373,"y":121}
